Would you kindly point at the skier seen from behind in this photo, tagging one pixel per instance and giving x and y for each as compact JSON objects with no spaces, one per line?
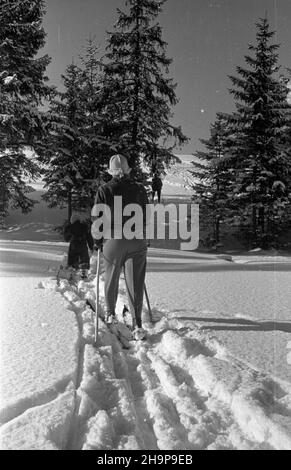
{"x":122,"y":253}
{"x":80,"y":238}
{"x":157,"y":185}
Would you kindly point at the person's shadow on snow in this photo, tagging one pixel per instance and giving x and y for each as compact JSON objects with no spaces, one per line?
{"x":240,"y":324}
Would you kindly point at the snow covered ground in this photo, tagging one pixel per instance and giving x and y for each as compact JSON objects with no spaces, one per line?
{"x":213,"y":374}
{"x":185,"y":388}
{"x":247,"y":307}
{"x":39,"y":348}
{"x":181,"y":389}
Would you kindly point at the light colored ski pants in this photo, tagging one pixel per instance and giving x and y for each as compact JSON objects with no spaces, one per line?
{"x":130,"y":255}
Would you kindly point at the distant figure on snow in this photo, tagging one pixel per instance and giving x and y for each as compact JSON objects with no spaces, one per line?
{"x":157,"y":185}
{"x":80,"y":238}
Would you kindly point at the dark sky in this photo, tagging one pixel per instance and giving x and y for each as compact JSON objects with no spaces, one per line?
{"x":206,"y":39}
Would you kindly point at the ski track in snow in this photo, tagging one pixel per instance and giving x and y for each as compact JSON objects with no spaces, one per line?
{"x":180,"y":389}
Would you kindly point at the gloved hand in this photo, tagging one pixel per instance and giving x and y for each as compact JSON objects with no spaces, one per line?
{"x":98,"y":245}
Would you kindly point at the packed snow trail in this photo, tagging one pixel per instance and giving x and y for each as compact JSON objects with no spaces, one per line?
{"x":180,"y":389}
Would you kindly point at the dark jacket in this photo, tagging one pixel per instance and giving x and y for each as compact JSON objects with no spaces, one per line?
{"x":78,"y":234}
{"x":130,"y":191}
{"x":156,"y":183}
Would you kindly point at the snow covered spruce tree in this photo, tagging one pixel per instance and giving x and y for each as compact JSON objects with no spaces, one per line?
{"x":64,"y":143}
{"x":76,"y":150}
{"x":137,"y":90}
{"x":212,"y":178}
{"x":22,"y":91}
{"x":261,"y":161}
{"x":97,"y":147}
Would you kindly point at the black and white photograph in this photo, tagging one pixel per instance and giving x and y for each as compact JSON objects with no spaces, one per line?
{"x":145,"y":228}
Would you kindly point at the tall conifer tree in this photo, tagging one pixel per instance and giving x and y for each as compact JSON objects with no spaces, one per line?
{"x":76,"y":150}
{"x":259,"y":157}
{"x":23,"y":89}
{"x":212,"y":177}
{"x":138,"y":91}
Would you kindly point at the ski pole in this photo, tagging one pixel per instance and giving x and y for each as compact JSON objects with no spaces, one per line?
{"x":148,"y":303}
{"x":97,"y":296}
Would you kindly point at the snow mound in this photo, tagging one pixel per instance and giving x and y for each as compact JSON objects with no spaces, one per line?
{"x":45,"y":356}
{"x":180,"y":389}
{"x":43,"y":427}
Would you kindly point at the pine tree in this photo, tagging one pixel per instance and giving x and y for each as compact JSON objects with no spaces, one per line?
{"x":98,"y":148}
{"x":137,"y":90}
{"x":77,"y":151}
{"x":64,"y":145}
{"x":22,"y":91}
{"x":212,"y":177}
{"x":261,"y":187}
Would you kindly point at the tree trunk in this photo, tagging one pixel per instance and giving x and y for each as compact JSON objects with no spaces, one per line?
{"x":134,"y":157}
{"x":3,"y":204}
{"x":254,"y":223}
{"x":217,"y":230}
{"x":262,"y":219}
{"x":69,"y":204}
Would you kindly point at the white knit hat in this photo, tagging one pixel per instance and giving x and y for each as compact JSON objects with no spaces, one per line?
{"x":118,"y":164}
